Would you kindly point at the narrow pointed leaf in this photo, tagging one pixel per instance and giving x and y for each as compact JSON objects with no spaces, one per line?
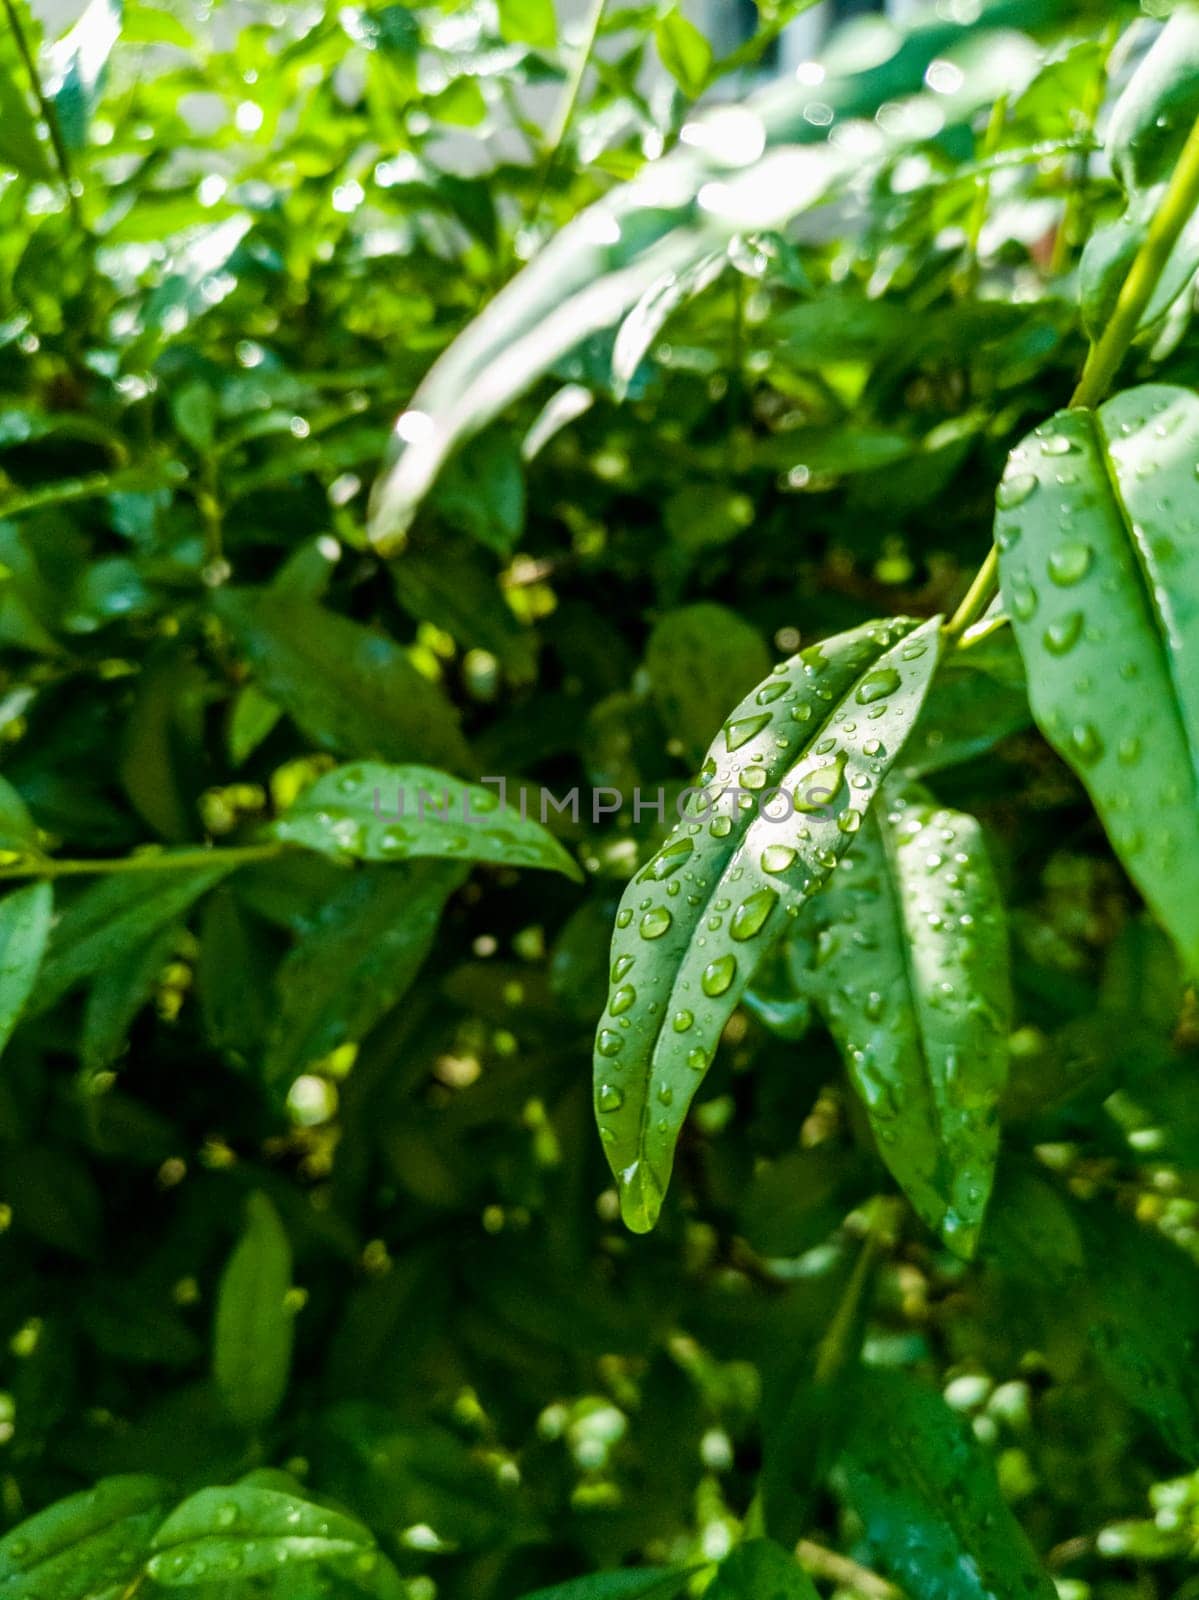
{"x":372,"y":812}
{"x":88,"y":1544}
{"x":642,"y":1583}
{"x":24,"y":930}
{"x":912,"y":975}
{"x":253,"y":1332}
{"x":934,"y":1518}
{"x":787,"y":782}
{"x":108,"y":917}
{"x":356,"y":959}
{"x":1094,"y":524}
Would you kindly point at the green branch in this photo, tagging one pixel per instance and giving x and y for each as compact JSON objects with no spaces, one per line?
{"x":1106,"y":355}
{"x":49,"y":116}
{"x":149,"y":861}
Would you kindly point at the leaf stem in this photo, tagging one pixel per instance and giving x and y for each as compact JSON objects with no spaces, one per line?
{"x":838,"y":1343}
{"x":1105,"y":356}
{"x":49,"y":115}
{"x":820,"y":1562}
{"x":150,"y":861}
{"x":570,"y":99}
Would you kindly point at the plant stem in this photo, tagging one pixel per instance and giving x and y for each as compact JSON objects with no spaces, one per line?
{"x":1171,"y":217}
{"x":837,"y":1345}
{"x":570,"y":99}
{"x":1103,"y":361}
{"x":175,"y":861}
{"x":1091,"y":107}
{"x":846,"y":1573}
{"x":49,"y":115}
{"x":968,"y":280}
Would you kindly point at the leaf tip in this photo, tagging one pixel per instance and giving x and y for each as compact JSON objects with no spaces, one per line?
{"x":640,"y":1197}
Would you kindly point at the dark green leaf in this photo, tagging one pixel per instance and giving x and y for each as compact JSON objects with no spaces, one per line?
{"x":252,"y":1336}
{"x":25,"y":916}
{"x":89,"y":1544}
{"x":699,"y":659}
{"x":761,"y":1570}
{"x":349,"y":688}
{"x":245,"y":1531}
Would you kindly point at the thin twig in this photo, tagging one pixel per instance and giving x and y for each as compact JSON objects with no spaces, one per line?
{"x":151,"y":861}
{"x":49,"y":116}
{"x":570,"y":99}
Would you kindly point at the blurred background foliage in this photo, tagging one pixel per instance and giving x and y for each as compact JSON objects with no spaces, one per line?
{"x":368,"y":1089}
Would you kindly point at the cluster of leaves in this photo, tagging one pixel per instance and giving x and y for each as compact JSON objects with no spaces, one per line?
{"x":314,"y":1280}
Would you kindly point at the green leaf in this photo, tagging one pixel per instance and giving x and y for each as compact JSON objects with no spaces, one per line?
{"x":684,"y":52}
{"x":923,"y":1021}
{"x":245,"y":1531}
{"x":88,"y":1544}
{"x":529,"y":22}
{"x":120,"y":990}
{"x":252,"y":1335}
{"x":18,"y":832}
{"x":349,"y":688}
{"x":695,"y":923}
{"x":357,"y":957}
{"x":483,"y":492}
{"x":25,"y":916}
{"x":371,"y":812}
{"x":108,"y":917}
{"x":757,"y":165}
{"x":1092,"y":525}
{"x":452,"y":586}
{"x":698,"y":659}
{"x":645,"y":1583}
{"x":934,"y":1519}
{"x":760,"y":1570}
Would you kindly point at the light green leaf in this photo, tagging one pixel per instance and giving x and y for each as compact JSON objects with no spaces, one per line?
{"x":25,"y":916}
{"x":1093,"y":523}
{"x":88,"y":1544}
{"x":684,"y":52}
{"x":351,"y":689}
{"x":926,"y":1493}
{"x":529,"y":22}
{"x":757,"y":165}
{"x":644,"y":1583}
{"x":814,"y":742}
{"x":698,"y":659}
{"x":922,"y":1020}
{"x":761,"y":1570}
{"x":245,"y":1531}
{"x":371,"y":812}
{"x":18,"y":832}
{"x":358,"y":956}
{"x":76,"y":68}
{"x":252,"y":1336}
{"x":108,"y":917}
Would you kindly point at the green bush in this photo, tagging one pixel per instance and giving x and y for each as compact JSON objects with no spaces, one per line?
{"x":646,"y":689}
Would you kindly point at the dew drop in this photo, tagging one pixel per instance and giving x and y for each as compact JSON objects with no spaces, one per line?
{"x":622,"y":1000}
{"x":718,"y":975}
{"x":665,"y":1095}
{"x":1014,"y":491}
{"x":669,"y":859}
{"x":720,"y":827}
{"x":750,"y":917}
{"x":1056,"y":444}
{"x":681,"y":1021}
{"x":877,"y":686}
{"x":621,"y":967}
{"x":1022,"y":598}
{"x":1085,"y":743}
{"x":624,"y":917}
{"x":742,"y":731}
{"x":1063,"y":634}
{"x":609,"y":1044}
{"x":777,"y":858}
{"x":609,"y":1098}
{"x":1070,"y":563}
{"x":770,"y":692}
{"x":655,"y":922}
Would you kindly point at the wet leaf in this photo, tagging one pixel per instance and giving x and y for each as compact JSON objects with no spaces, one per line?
{"x":245,"y":1531}
{"x":25,"y":916}
{"x":368,"y":811}
{"x":935,"y":1521}
{"x":1092,"y":523}
{"x":912,"y":974}
{"x":818,"y":736}
{"x":88,"y":1544}
{"x":761,"y":1570}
